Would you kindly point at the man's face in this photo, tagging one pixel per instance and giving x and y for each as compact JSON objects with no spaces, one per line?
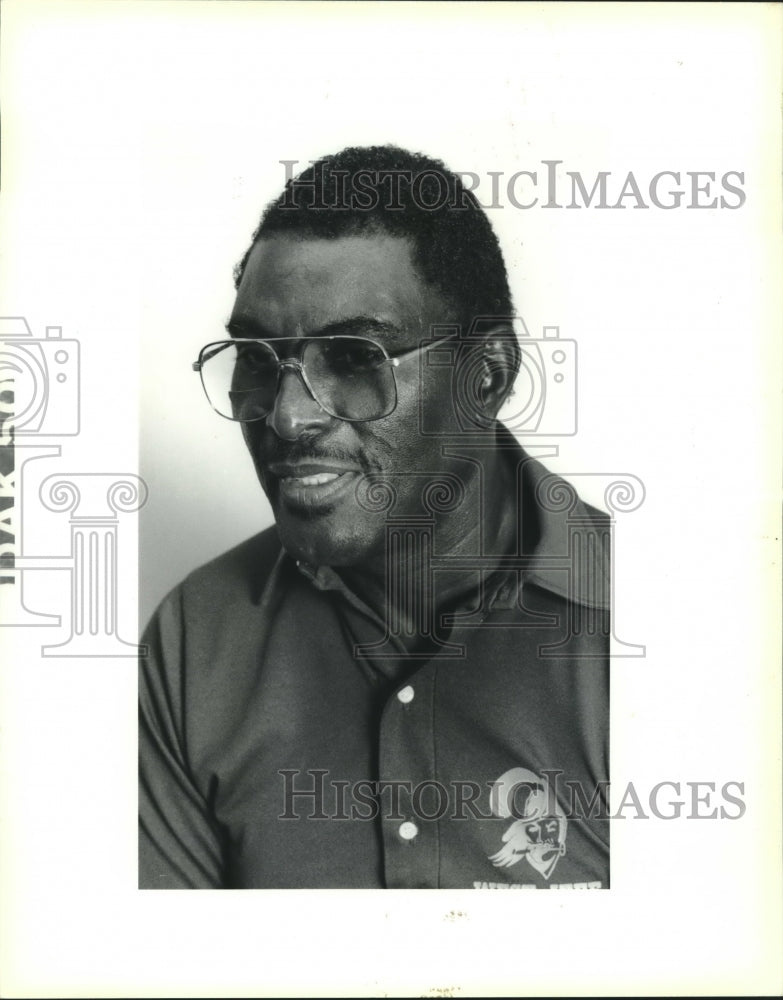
{"x":311,"y":464}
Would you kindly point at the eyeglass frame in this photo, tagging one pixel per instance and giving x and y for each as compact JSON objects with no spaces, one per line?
{"x":297,"y":364}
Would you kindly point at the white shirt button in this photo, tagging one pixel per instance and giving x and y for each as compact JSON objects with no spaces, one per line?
{"x":408,"y":830}
{"x":405,"y":695}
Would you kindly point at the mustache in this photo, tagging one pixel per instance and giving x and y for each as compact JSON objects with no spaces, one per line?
{"x":298,"y":451}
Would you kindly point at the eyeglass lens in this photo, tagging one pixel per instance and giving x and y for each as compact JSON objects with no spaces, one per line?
{"x":348,"y":377}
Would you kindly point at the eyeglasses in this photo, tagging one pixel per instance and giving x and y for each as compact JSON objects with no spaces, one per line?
{"x":351,"y":378}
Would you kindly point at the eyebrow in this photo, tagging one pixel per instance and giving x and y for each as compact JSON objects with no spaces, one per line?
{"x":246,"y":328}
{"x":353,"y":326}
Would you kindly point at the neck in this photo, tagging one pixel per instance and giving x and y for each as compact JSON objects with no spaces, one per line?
{"x":402,"y":586}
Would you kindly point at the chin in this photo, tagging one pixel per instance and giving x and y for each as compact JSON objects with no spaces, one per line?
{"x":324,"y":541}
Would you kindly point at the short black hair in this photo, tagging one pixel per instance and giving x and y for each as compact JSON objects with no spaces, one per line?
{"x":371,"y":189}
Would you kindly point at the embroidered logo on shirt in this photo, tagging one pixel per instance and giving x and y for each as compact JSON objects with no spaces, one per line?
{"x":539,"y":829}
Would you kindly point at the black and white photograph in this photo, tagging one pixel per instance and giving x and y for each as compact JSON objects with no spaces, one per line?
{"x":389,"y":442}
{"x":411,"y":667}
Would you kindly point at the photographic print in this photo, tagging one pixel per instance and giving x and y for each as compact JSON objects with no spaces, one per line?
{"x":389,"y":414}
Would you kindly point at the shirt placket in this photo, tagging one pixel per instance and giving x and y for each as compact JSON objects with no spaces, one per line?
{"x":411,"y":796}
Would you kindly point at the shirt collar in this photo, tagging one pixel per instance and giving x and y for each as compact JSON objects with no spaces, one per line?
{"x":571,"y":556}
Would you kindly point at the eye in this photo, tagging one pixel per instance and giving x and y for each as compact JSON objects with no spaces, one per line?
{"x":254,"y":360}
{"x":352,"y":357}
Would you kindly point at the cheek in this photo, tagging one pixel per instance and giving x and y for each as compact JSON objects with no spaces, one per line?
{"x":427,"y":412}
{"x":394,"y":441}
{"x":253,"y":436}
{"x":412,"y":440}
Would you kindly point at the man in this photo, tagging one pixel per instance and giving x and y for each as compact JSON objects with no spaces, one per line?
{"x":402,"y":684}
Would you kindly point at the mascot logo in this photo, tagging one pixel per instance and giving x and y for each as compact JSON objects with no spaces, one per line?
{"x":539,"y":829}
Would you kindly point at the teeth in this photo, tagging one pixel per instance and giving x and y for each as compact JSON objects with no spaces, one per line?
{"x":317,"y":480}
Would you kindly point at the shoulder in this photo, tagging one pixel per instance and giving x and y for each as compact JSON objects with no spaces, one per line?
{"x":199,"y":650}
{"x":242,"y":570}
{"x":232,"y":580}
{"x":558,"y":498}
{"x":571,"y":541}
{"x":550,"y":500}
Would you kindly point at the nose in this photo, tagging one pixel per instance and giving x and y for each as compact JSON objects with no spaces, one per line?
{"x":295,"y":412}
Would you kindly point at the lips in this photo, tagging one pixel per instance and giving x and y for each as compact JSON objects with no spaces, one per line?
{"x":313,"y":486}
{"x":317,"y":480}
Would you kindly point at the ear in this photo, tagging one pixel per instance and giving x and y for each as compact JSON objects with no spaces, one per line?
{"x":497,"y":370}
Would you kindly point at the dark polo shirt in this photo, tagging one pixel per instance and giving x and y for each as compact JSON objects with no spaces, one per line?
{"x":288,"y":741}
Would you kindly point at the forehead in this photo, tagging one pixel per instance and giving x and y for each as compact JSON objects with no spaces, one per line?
{"x":294,"y":287}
